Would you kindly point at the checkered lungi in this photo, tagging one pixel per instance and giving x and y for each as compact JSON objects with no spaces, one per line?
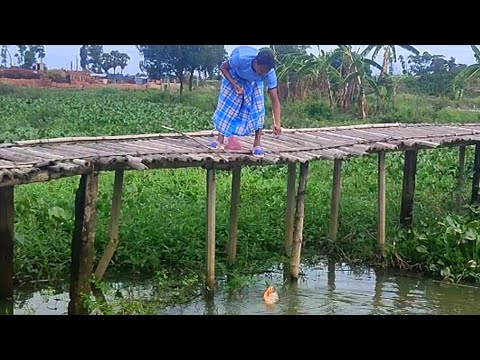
{"x":240,"y":115}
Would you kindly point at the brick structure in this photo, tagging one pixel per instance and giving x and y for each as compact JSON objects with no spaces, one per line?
{"x":79,"y":77}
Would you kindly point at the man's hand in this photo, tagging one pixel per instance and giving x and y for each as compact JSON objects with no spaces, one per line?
{"x":238,"y":89}
{"x":277,"y":129}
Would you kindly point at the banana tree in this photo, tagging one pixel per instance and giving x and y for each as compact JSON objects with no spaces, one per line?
{"x":468,"y":74}
{"x":389,"y":54}
{"x":290,"y":73}
{"x":385,"y":91}
{"x":354,"y":66}
{"x":305,"y":72}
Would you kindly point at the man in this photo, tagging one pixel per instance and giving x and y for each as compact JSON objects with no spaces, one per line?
{"x":241,"y":104}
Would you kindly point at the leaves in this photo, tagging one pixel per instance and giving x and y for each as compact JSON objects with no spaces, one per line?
{"x":422,"y":249}
{"x":58,"y":213}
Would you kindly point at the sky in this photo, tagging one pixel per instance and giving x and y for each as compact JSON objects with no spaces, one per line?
{"x":61,"y":56}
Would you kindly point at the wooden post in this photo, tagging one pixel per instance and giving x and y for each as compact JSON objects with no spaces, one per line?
{"x":234,"y":207}
{"x":298,"y":234}
{"x":6,"y":242}
{"x":476,"y":176}
{"x":331,"y":274}
{"x":460,"y":178}
{"x":83,"y":241}
{"x":381,"y":200}
{"x":290,"y":208}
{"x":6,"y":307}
{"x":335,"y":202}
{"x":210,"y":308}
{"x":211,"y":193}
{"x":408,"y":192}
{"x":114,"y":225}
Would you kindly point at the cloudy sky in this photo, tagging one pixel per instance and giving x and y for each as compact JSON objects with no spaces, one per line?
{"x":61,"y":56}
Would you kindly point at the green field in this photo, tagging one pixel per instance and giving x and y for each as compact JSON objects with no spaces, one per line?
{"x":162,"y":227}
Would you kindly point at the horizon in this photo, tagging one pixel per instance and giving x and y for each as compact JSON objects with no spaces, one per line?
{"x":65,"y":56}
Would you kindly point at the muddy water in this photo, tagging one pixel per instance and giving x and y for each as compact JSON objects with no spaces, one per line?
{"x":344,"y":292}
{"x":321,"y":291}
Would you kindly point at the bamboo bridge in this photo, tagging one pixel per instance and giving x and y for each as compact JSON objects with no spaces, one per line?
{"x":25,"y":162}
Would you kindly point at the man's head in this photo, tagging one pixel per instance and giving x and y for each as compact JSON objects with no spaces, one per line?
{"x":264,"y":62}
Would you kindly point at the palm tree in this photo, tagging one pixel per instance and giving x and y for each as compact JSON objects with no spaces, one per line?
{"x":389,"y":53}
{"x":469,"y":73}
{"x":4,"y":52}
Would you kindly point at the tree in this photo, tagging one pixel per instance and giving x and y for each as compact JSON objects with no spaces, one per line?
{"x":21,"y":54}
{"x":95,"y":53}
{"x":468,"y":74}
{"x":282,"y":50}
{"x":192,"y":60}
{"x":123,"y":60}
{"x":211,"y":57}
{"x":84,"y":57}
{"x":354,"y":73}
{"x":28,"y":59}
{"x":389,"y":54}
{"x":27,"y":55}
{"x":107,"y":62}
{"x":114,"y":59}
{"x":433,"y":75}
{"x":165,"y":60}
{"x":3,"y":54}
{"x":299,"y":73}
{"x":40,"y":51}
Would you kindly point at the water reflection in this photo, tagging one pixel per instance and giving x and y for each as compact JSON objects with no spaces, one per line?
{"x":327,"y":288}
{"x":6,"y":306}
{"x":210,"y":308}
{"x":293,"y":299}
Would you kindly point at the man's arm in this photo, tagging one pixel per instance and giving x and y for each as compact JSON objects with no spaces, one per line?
{"x":276,"y":110}
{"x":225,"y":69}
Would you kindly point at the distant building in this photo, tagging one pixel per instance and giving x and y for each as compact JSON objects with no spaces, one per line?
{"x":101,"y":77}
{"x":141,"y":80}
{"x":39,"y":67}
{"x":78,"y":76}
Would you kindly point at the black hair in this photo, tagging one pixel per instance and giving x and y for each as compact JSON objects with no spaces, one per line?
{"x":266,"y":58}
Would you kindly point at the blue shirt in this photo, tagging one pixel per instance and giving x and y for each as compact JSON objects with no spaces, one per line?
{"x":241,"y":61}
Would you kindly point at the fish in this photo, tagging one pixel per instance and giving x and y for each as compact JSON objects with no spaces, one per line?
{"x":270,"y":296}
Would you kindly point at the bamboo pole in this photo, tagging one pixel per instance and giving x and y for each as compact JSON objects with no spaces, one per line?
{"x":408,"y":190}
{"x":211,"y":194}
{"x":170,"y":135}
{"x":234,"y":208}
{"x":6,"y":306}
{"x":331,"y":274}
{"x":460,"y":178}
{"x":476,"y":176}
{"x":335,"y":201}
{"x":381,"y":200}
{"x":83,"y":243}
{"x":298,"y":235}
{"x":6,"y":242}
{"x":114,"y":226}
{"x":290,"y":208}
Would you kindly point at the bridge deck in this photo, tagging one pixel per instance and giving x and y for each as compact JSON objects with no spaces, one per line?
{"x":42,"y":160}
{"x":30,"y":161}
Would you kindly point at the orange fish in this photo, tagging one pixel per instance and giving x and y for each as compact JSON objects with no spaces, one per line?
{"x":270,"y":296}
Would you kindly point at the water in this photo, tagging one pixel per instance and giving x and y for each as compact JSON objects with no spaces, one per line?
{"x":319,"y":292}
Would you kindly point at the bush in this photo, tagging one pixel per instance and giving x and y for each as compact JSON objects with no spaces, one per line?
{"x":318,"y":109}
{"x":56,"y":75}
{"x":18,"y":73}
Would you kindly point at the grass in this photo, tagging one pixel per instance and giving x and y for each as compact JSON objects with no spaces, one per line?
{"x":162,"y":225}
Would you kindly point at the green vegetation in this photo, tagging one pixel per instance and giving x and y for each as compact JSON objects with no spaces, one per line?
{"x":162,"y":223}
{"x":162,"y":227}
